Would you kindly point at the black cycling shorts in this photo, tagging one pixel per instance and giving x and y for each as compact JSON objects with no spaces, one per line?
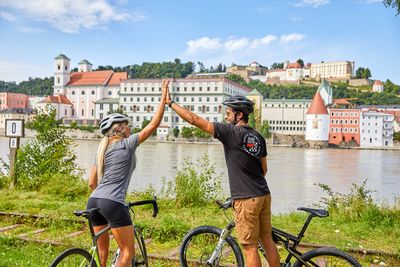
{"x":111,"y":212}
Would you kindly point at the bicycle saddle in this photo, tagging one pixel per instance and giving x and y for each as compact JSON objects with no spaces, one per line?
{"x":85,"y":213}
{"x":315,"y":212}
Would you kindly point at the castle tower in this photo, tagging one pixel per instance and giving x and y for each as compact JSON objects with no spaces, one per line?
{"x":84,"y":66}
{"x":61,"y":74}
{"x":317,"y":123}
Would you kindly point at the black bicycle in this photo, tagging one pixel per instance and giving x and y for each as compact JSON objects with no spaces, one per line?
{"x":80,"y":257}
{"x":212,"y":246}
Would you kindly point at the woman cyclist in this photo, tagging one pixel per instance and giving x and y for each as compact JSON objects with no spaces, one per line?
{"x":109,"y":179}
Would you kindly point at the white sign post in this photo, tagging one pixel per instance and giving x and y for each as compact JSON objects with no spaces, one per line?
{"x":14,"y":129}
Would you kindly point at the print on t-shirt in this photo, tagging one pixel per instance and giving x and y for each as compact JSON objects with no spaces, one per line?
{"x":252,"y":144}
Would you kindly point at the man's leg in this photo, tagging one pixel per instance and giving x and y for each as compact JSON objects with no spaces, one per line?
{"x":271,"y":251}
{"x":251,"y":254}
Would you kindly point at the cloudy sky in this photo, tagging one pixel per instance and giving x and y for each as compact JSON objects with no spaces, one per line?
{"x":122,"y":32}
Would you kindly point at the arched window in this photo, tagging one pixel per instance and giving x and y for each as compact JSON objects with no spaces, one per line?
{"x":73,"y":93}
{"x":83,"y":92}
{"x":93,"y":92}
{"x":109,"y":93}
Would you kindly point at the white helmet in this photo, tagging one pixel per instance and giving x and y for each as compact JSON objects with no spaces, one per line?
{"x":106,"y":123}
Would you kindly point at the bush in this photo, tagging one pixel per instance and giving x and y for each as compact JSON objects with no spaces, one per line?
{"x":197,"y":184}
{"x":68,"y":187}
{"x":176,"y":132}
{"x":199,"y":133}
{"x":169,"y":228}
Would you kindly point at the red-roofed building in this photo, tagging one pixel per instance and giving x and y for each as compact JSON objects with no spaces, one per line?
{"x":13,"y":100}
{"x":378,"y":86}
{"x":61,"y":104}
{"x":344,"y":126}
{"x":317,"y":122}
{"x":84,"y":88}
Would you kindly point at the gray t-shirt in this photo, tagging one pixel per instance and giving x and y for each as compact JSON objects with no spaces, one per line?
{"x":119,"y":163}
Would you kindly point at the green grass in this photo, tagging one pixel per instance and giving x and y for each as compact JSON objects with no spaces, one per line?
{"x":379,"y":231}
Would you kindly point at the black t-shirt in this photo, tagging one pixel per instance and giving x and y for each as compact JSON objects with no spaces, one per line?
{"x":244,"y":148}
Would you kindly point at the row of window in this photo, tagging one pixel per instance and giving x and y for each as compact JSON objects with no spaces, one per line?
{"x":174,"y":89}
{"x":288,"y":122}
{"x":286,"y":105}
{"x":287,"y":128}
{"x":351,"y":122}
{"x":344,"y":114}
{"x":93,"y":92}
{"x":344,"y":130}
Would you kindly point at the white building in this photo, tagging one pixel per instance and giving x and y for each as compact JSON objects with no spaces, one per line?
{"x":317,"y":121}
{"x":376,"y":129}
{"x":291,"y":72}
{"x":105,"y":106}
{"x":285,"y":116}
{"x":84,"y":88}
{"x":340,"y":69}
{"x":60,"y":103}
{"x":139,"y":98}
{"x":378,"y":86}
{"x":25,"y":114}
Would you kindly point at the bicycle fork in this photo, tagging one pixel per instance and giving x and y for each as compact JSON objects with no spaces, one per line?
{"x":221,"y":242}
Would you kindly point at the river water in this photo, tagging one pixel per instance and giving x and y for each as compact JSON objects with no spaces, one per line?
{"x":292,"y":175}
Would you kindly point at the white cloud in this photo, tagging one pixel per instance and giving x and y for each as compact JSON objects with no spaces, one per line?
{"x":295,"y":18}
{"x":313,"y":3}
{"x":7,"y":16}
{"x":293,"y":37}
{"x":373,"y":1}
{"x":235,"y":44}
{"x":203,"y":43}
{"x":263,"y":41}
{"x":70,"y":15}
{"x":20,"y":71}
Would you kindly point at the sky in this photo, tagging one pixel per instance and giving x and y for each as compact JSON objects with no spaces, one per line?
{"x":122,"y":32}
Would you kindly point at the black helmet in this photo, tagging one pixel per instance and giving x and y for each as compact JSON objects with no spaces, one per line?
{"x":240,"y":103}
{"x":106,"y":123}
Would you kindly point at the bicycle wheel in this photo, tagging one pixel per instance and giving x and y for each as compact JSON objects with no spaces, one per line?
{"x":140,"y":249}
{"x":74,"y":257}
{"x":199,"y":244}
{"x":327,"y":257}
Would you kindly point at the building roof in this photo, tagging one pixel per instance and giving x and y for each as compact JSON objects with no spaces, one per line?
{"x":325,"y":85}
{"x":317,"y":105}
{"x":294,"y":66}
{"x":101,"y":77}
{"x":378,"y":82}
{"x":85,"y":62}
{"x":341,"y":101}
{"x":60,"y":99}
{"x":62,"y":56}
{"x":108,"y":101}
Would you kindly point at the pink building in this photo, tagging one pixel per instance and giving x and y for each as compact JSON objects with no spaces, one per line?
{"x":13,"y":100}
{"x":344,"y":126}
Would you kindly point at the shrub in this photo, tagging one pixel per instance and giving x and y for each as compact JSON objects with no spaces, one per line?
{"x":197,"y":184}
{"x":176,"y":132}
{"x":169,"y":228}
{"x":199,"y":133}
{"x":68,"y":187}
{"x":187,"y":132}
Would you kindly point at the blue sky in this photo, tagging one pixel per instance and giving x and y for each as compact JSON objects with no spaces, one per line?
{"x":121,"y":32}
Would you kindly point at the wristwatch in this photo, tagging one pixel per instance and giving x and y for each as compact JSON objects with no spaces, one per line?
{"x":170,"y":103}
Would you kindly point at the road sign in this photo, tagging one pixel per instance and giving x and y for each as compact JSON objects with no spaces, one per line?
{"x":14,"y":142}
{"x":15,"y":128}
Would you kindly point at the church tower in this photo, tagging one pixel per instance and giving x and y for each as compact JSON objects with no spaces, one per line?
{"x":317,"y":123}
{"x":61,"y":74}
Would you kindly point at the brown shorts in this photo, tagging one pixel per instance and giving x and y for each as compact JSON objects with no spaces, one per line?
{"x":253,"y":218}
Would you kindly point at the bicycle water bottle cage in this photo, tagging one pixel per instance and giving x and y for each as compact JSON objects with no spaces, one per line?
{"x":315,"y":212}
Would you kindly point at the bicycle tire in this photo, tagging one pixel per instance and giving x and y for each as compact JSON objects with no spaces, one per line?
{"x":329,"y":257}
{"x":140,"y":250}
{"x":74,"y":257}
{"x":206,"y":237}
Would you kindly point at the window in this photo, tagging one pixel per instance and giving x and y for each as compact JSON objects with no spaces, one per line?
{"x":83,"y":92}
{"x":101,"y":107}
{"x":165,"y":118}
{"x":73,"y":92}
{"x":109,"y":93}
{"x":83,"y":112}
{"x":58,"y":67}
{"x":93,"y":92}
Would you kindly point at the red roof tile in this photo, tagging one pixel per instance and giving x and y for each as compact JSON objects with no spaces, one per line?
{"x":378,"y":82}
{"x":101,"y":77}
{"x":294,"y":66}
{"x":60,"y":99}
{"x":317,"y":105}
{"x":341,"y":101}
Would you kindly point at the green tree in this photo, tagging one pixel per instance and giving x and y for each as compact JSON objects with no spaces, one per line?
{"x":301,"y":62}
{"x":187,"y":132}
{"x":237,"y":79}
{"x":176,"y":132}
{"x":393,"y":4}
{"x":363,"y":73}
{"x":199,"y":133}
{"x":46,"y":155}
{"x":277,"y":66}
{"x":264,"y":130}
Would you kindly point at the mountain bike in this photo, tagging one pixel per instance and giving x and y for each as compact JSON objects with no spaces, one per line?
{"x":212,"y":246}
{"x":80,"y":257}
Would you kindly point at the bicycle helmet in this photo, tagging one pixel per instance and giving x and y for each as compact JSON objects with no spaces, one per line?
{"x":240,"y":103}
{"x":106,"y":123}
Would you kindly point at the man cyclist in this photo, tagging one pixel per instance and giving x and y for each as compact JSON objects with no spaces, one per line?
{"x":246,"y":159}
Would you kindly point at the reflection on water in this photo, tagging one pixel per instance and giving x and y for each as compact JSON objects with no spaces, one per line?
{"x":292,"y":173}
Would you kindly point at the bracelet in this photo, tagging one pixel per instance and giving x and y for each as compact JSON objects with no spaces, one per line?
{"x":170,"y":103}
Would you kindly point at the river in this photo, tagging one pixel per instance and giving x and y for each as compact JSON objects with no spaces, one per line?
{"x":292,"y":175}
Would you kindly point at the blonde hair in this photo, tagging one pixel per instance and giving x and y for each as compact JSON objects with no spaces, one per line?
{"x":114,"y":134}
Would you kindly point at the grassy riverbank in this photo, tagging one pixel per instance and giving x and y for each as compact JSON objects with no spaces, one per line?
{"x":378,"y":231}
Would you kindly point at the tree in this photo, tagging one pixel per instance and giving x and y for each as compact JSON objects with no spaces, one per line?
{"x":393,"y":4}
{"x":264,"y":130}
{"x":363,"y":73}
{"x":237,"y":79}
{"x":187,"y":132}
{"x":277,"y":66}
{"x":176,"y":132}
{"x":301,"y":62}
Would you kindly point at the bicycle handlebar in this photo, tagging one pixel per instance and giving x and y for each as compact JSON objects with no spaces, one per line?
{"x":145,"y":202}
{"x":228,"y":203}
